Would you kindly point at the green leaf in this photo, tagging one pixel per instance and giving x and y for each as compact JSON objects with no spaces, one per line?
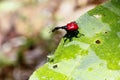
{"x":95,"y":56}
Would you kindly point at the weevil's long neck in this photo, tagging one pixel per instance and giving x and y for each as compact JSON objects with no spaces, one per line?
{"x":56,"y":28}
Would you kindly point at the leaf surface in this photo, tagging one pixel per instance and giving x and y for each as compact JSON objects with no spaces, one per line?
{"x":95,"y":56}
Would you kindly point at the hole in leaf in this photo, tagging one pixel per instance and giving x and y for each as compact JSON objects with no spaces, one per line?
{"x":55,"y":66}
{"x":97,"y":42}
{"x":106,"y":32}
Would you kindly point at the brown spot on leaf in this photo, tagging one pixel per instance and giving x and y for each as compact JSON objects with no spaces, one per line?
{"x":55,"y":66}
{"x":97,"y":42}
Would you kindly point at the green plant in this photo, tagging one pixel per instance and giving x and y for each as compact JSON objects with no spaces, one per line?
{"x":95,"y":56}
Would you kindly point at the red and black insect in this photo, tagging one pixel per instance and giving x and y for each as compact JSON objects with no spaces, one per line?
{"x":71,"y":31}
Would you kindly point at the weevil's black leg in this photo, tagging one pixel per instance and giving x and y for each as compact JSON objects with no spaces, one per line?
{"x":66,"y":35}
{"x":76,"y":33}
{"x":76,"y":36}
{"x":81,"y":34}
{"x":65,"y":40}
{"x":70,"y":39}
